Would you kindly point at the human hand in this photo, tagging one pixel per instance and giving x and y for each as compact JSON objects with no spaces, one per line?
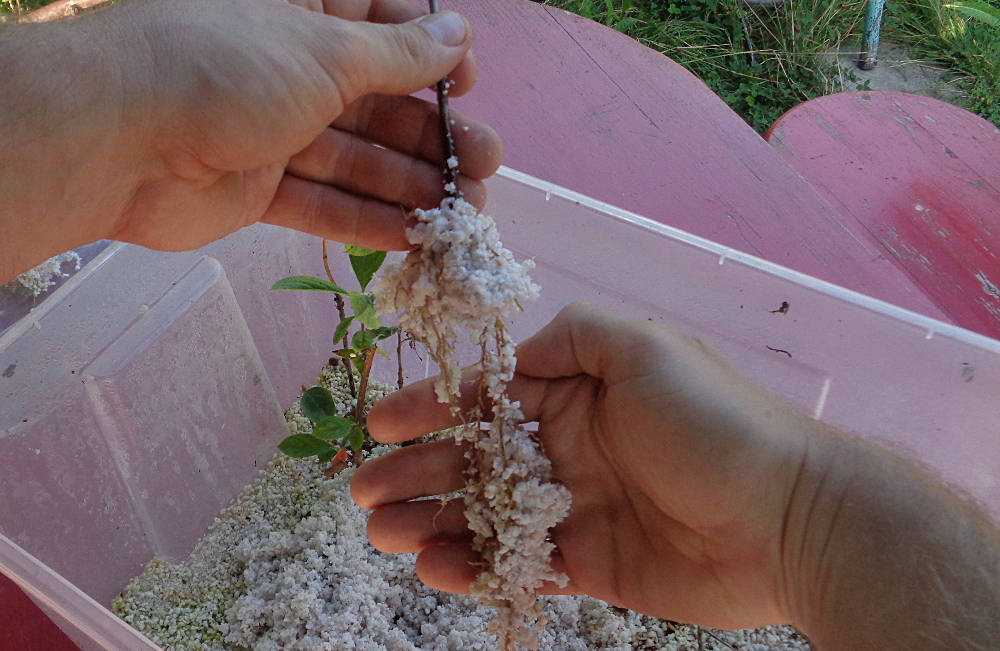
{"x":241,"y":132}
{"x":171,"y":123}
{"x":681,"y":470}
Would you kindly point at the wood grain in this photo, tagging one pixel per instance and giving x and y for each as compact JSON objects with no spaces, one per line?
{"x":588,"y":108}
{"x":920,"y":179}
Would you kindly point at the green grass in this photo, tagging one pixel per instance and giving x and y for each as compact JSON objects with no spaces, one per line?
{"x":968,"y":47}
{"x":780,"y":65}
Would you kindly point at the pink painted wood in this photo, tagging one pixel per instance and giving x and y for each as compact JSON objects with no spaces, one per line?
{"x":588,"y":108}
{"x":920,"y":179}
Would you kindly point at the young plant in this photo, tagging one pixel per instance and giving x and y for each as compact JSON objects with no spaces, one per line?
{"x":333,"y":435}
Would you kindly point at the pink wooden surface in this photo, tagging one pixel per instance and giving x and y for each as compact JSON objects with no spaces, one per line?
{"x":920,"y":179}
{"x":588,"y":108}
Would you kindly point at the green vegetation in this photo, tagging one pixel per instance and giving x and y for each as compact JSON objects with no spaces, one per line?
{"x":333,"y":435}
{"x":967,"y":45}
{"x":765,"y":59}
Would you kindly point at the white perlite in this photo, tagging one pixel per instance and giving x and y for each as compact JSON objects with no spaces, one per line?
{"x":461,"y":281}
{"x":288,"y":567}
{"x":38,"y":280}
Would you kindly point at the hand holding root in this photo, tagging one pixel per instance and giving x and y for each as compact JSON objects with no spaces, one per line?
{"x":701,"y":498}
{"x":680,"y":470}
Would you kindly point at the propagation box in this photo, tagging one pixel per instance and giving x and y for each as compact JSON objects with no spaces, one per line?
{"x":143,"y":394}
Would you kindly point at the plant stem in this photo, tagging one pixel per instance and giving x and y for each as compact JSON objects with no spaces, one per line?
{"x":329,"y":274}
{"x":343,"y":315}
{"x":447,"y":140}
{"x":399,"y":358}
{"x":359,"y":410}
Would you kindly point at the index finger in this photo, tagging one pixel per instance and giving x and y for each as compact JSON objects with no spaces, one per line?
{"x":415,"y":411}
{"x":409,"y":473}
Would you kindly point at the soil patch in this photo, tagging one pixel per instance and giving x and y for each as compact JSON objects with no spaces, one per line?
{"x":897,"y":71}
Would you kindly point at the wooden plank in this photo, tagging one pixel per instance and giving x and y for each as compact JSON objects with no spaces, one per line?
{"x":921,"y":180}
{"x":588,"y":108}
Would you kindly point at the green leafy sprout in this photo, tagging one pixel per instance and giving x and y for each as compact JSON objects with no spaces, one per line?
{"x":334,"y":435}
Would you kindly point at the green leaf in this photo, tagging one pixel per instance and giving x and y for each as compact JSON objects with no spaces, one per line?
{"x":341,"y":331}
{"x":332,"y":428}
{"x":346,"y":353}
{"x":298,"y":446}
{"x":359,"y":363}
{"x":626,"y":24}
{"x":362,"y":340}
{"x":317,"y":404}
{"x":363,"y":306}
{"x":309,"y":284}
{"x":356,"y":438}
{"x":384,"y":332}
{"x":365,"y":266}
{"x":979,"y":10}
{"x":329,"y":454}
{"x":354,"y":249}
{"x":382,"y":353}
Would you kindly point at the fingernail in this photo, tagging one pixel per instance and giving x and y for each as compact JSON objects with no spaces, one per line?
{"x":446,"y":26}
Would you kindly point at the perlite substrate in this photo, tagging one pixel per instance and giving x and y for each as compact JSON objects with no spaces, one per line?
{"x":288,"y":567}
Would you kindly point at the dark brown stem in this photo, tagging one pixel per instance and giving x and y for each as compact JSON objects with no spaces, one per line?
{"x":329,"y":274}
{"x":447,"y":140}
{"x":399,"y":358}
{"x":359,"y":410}
{"x":343,"y":315}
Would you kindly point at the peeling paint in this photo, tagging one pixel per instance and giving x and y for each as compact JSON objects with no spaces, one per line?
{"x":989,"y":306}
{"x":988,"y":286}
{"x":907,"y":127}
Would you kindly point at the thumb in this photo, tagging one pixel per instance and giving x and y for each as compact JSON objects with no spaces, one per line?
{"x":396,"y":59}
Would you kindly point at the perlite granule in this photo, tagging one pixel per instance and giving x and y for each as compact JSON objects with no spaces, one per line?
{"x":38,"y":280}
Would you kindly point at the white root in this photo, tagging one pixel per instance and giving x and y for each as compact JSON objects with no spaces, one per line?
{"x":460,"y":279}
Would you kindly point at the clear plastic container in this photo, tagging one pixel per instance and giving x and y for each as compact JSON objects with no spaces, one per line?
{"x":16,"y":302}
{"x":144,"y":393}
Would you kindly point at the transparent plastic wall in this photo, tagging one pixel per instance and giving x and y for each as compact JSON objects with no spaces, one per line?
{"x":143,"y":394}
